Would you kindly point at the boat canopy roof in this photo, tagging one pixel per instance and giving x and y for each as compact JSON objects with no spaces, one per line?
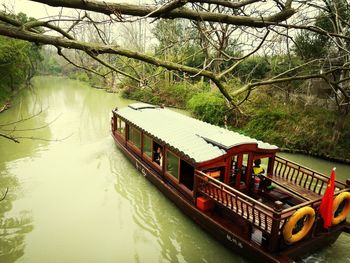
{"x":197,"y":140}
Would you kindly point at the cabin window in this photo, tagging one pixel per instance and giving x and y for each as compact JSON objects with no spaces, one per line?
{"x":260,"y":165}
{"x":135,"y":136}
{"x":120,"y":126}
{"x":172,"y":164}
{"x":147,"y":145}
{"x":157,"y":154}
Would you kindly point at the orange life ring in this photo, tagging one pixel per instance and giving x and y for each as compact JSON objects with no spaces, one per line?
{"x":342,"y":202}
{"x":304,"y":216}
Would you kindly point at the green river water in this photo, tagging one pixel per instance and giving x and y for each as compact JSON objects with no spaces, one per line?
{"x":74,"y":197}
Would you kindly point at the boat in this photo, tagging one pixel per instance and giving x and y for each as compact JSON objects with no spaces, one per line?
{"x":253,"y":201}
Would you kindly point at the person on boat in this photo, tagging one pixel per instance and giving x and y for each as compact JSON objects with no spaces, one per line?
{"x":257,"y":169}
{"x":159,"y":156}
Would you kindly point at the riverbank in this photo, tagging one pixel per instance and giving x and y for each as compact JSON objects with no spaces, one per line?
{"x":7,"y":97}
{"x":294,"y":125}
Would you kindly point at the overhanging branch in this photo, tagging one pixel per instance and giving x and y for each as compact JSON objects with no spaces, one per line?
{"x":119,"y":9}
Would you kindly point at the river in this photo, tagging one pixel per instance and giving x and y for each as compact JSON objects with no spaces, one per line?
{"x":73,"y":196}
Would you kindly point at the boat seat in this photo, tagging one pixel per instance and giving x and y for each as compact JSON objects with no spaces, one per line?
{"x":295,"y":189}
{"x":214,"y":174}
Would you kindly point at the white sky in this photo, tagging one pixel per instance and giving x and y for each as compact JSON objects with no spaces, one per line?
{"x":38,"y":10}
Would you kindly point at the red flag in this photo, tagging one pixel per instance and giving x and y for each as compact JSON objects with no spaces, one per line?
{"x":326,"y":206}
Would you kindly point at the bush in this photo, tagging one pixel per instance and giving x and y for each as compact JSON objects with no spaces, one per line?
{"x":253,"y":68}
{"x":79,"y":75}
{"x":209,"y":107}
{"x":177,"y":94}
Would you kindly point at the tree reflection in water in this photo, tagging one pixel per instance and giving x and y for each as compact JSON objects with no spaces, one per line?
{"x":12,"y":229}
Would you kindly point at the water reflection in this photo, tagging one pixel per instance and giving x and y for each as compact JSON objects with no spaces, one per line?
{"x":12,"y":229}
{"x":21,"y":120}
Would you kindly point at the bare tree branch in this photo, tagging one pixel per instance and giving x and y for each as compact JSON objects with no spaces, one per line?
{"x":117,"y":9}
{"x":9,"y":137}
{"x":243,"y":57}
{"x":5,"y":194}
{"x":106,"y":64}
{"x":59,"y":52}
{"x":225,"y":3}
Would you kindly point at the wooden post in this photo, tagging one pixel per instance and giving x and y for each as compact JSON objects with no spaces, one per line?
{"x":276,"y":219}
{"x":270,"y":166}
{"x":249,"y":172}
{"x":126,"y":134}
{"x":239,"y":171}
{"x":348,"y":182}
{"x":114,"y":122}
{"x":165,"y":161}
{"x":227,"y":170}
{"x":141,"y":134}
{"x":195,"y":185}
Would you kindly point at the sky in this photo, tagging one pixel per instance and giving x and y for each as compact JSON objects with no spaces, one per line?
{"x":38,"y":10}
{"x":32,"y":9}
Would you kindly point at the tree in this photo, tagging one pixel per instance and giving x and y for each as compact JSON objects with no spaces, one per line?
{"x":172,"y":10}
{"x":256,"y":23}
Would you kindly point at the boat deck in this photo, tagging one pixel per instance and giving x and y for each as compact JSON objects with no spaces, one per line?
{"x":294,"y":188}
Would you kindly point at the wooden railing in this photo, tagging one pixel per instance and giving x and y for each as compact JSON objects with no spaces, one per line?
{"x":256,"y":213}
{"x":270,"y":220}
{"x":302,"y":176}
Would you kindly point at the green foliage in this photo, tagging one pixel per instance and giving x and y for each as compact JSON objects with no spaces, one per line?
{"x":283,"y":63}
{"x":310,"y":45}
{"x":296,"y":126}
{"x":79,"y":75}
{"x":344,"y":140}
{"x":18,"y":62}
{"x":50,"y":64}
{"x":176,"y":94}
{"x":253,"y":68}
{"x":209,"y":107}
{"x":177,"y":42}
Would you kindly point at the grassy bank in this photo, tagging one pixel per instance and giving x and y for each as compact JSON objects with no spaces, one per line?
{"x":308,"y":129}
{"x":291,"y":125}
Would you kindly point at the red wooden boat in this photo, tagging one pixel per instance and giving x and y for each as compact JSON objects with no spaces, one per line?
{"x":260,"y":205}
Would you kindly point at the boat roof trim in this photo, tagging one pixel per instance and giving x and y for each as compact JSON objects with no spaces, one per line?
{"x":142,"y":105}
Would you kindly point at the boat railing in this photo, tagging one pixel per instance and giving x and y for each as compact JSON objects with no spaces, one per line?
{"x":267,"y":219}
{"x":255,"y":212}
{"x":302,"y":177}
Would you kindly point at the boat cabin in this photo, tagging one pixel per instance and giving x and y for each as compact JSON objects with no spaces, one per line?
{"x":177,"y":145}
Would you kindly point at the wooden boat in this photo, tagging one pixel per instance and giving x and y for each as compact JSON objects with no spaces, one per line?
{"x":209,"y":173}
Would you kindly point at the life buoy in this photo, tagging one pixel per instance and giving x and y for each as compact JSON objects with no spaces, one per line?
{"x":299,"y":224}
{"x":341,"y":207}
